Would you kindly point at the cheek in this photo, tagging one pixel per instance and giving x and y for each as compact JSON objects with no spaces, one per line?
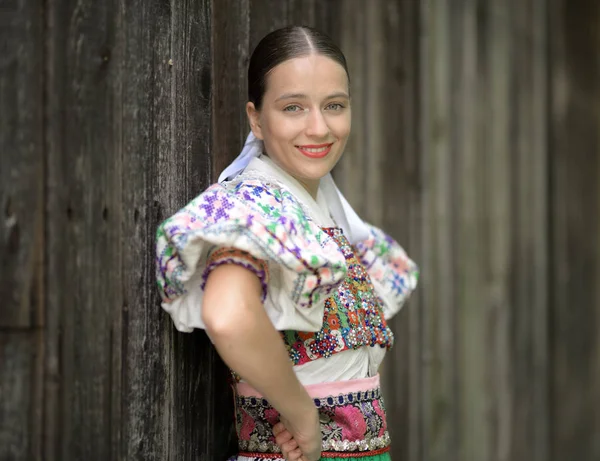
{"x":340,"y":126}
{"x":281,"y":128}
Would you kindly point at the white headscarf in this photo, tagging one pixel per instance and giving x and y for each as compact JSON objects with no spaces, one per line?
{"x":343,"y":214}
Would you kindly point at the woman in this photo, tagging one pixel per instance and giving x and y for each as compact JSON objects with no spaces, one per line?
{"x":292,"y":287}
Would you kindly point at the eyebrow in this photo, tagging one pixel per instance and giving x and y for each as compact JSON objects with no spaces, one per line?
{"x":303,"y":96}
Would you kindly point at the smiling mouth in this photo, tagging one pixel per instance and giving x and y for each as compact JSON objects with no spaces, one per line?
{"x":315,"y":150}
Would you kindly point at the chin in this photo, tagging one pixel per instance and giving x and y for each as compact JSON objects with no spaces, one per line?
{"x":314,"y":172}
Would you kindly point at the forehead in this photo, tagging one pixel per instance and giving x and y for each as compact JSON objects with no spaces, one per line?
{"x":312,"y":75}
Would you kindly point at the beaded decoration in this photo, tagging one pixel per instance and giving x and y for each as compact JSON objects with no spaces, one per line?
{"x":350,"y":423}
{"x":353,"y":316}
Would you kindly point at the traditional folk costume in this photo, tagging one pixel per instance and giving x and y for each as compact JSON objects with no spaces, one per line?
{"x":330,"y":283}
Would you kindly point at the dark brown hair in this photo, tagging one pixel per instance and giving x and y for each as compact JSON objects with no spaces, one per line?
{"x":283,"y":44}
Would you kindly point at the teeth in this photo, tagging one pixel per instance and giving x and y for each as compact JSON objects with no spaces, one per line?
{"x":315,"y":150}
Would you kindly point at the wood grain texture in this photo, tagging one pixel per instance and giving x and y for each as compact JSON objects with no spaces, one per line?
{"x":379,"y":174}
{"x":352,"y":40}
{"x":21,"y":164}
{"x":437,"y":283}
{"x":84,"y":234}
{"x":154,"y":184}
{"x":20,"y":373}
{"x":394,"y":166}
{"x":475,"y":144}
{"x":231,"y":54}
{"x":530,"y":251}
{"x":498,"y":177}
{"x":265,"y":17}
{"x":197,"y":371}
{"x":575,"y":201}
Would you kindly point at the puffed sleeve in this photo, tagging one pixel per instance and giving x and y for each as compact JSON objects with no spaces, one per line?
{"x":262,"y":228}
{"x":393,"y":273}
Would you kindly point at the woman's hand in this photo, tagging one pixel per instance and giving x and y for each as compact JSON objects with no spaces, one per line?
{"x":300,"y":440}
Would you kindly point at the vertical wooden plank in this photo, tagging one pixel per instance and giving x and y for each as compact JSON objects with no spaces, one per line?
{"x":198,"y":371}
{"x":379,"y":174}
{"x":302,"y":13}
{"x":55,"y":423}
{"x":84,"y":187}
{"x":265,"y":17}
{"x":21,"y":164}
{"x":349,"y":172}
{"x":395,"y":89}
{"x":154,"y":184}
{"x":17,"y":387}
{"x":530,"y":232}
{"x":373,"y":151}
{"x":230,"y":38}
{"x":575,"y":201}
{"x":468,"y":97}
{"x":498,"y":225}
{"x":21,"y":229}
{"x":327,"y":19}
{"x":441,"y":423}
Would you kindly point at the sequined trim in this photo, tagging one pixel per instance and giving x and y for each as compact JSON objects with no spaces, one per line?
{"x":350,"y":423}
{"x":325,"y":454}
{"x":353,"y":316}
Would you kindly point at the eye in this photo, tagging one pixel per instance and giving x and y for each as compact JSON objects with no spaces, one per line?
{"x":334,"y":106}
{"x":292,"y":108}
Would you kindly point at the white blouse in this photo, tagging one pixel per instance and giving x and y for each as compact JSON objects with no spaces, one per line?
{"x":345,"y":365}
{"x":270,"y":204}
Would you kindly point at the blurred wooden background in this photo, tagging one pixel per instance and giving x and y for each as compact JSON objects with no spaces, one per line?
{"x":475,"y":143}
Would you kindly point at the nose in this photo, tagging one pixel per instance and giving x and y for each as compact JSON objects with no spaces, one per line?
{"x":316,"y":125}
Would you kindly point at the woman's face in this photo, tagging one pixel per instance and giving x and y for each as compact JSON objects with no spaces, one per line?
{"x":304,"y":120}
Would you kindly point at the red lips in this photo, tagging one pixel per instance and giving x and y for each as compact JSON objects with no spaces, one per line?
{"x":315,"y":150}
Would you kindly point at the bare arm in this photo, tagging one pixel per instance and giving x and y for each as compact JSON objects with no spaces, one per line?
{"x":246,"y":340}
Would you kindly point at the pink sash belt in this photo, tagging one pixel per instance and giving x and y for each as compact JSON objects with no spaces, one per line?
{"x":352,"y":415}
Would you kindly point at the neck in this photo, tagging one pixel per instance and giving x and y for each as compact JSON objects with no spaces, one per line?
{"x":312,"y":187}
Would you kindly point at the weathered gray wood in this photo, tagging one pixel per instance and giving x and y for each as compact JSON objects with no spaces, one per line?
{"x":57,"y":215}
{"x":348,"y":172}
{"x":198,"y":371}
{"x":124,"y":112}
{"x":467,"y":95}
{"x":302,"y":13}
{"x":575,"y":224}
{"x":231,"y":53}
{"x":84,"y":229}
{"x":20,"y":374}
{"x":265,"y":17}
{"x":529,"y":297}
{"x":400,"y":199}
{"x":21,"y":164}
{"x":438,"y":265}
{"x":378,"y":174}
{"x":499,"y":239}
{"x":156,"y":184}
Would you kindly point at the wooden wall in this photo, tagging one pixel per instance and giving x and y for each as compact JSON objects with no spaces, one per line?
{"x":475,"y":143}
{"x":113,"y":115}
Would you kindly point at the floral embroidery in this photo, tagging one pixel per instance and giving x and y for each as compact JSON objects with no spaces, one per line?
{"x":388,"y":264}
{"x":353,"y":316}
{"x":353,"y":422}
{"x":265,"y":222}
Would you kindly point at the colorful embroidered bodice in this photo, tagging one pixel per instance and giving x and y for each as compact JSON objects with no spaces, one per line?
{"x":322,"y":293}
{"x":353,"y":316}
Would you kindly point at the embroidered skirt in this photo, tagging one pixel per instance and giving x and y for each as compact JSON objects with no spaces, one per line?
{"x":352,"y":414}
